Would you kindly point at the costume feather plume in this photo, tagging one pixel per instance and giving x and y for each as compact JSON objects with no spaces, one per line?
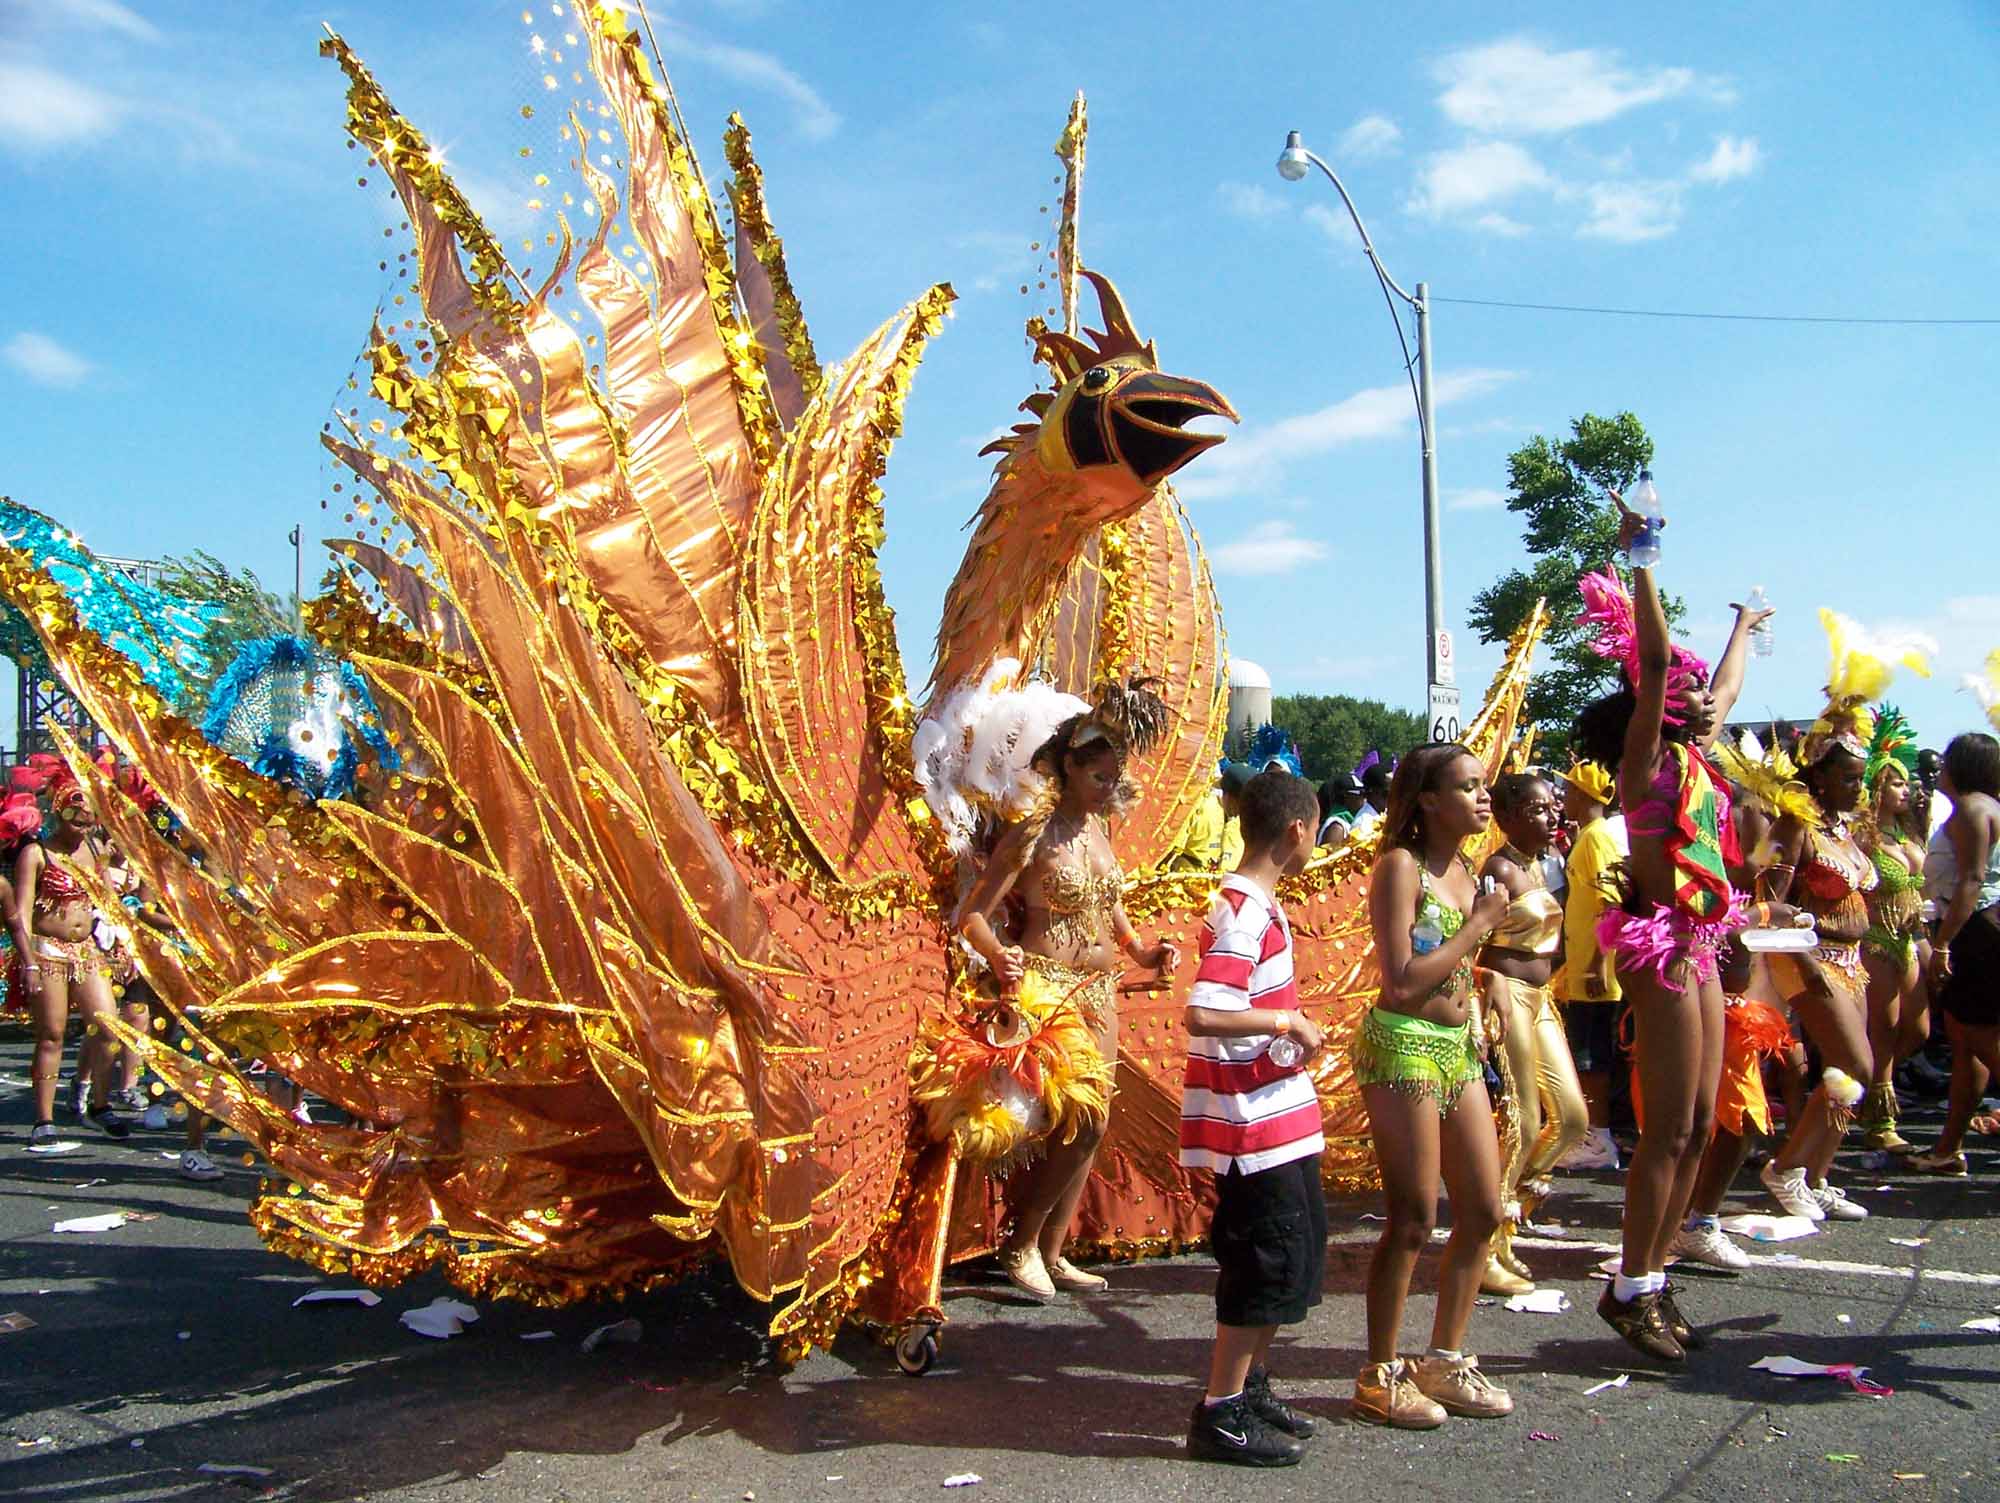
{"x":1987,"y":689}
{"x":1611,"y":630}
{"x":1770,"y":780}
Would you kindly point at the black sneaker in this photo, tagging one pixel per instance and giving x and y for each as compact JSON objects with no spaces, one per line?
{"x":1233,"y":1432}
{"x":108,"y":1122}
{"x":1273,"y":1410}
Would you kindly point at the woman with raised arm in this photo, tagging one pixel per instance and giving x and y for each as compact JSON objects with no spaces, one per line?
{"x":1418,"y":1066}
{"x":1072,"y":932}
{"x":1678,"y":912}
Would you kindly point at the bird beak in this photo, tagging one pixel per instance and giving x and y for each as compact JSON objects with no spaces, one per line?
{"x":1145,"y":420}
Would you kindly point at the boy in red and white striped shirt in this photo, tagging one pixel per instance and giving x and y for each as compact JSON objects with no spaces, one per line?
{"x":1250,"y":1116}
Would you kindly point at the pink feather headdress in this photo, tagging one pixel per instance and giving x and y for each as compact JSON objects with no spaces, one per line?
{"x":1612,"y":632}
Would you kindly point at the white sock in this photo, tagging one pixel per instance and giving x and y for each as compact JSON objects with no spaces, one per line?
{"x":1656,"y":1281}
{"x":1626,"y":1290}
{"x":1444,"y":1355}
{"x":1216,"y":1403}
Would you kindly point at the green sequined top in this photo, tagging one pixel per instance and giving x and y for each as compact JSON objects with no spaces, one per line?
{"x":1449,"y":921}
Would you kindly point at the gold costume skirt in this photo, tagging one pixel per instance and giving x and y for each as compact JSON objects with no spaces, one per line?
{"x":1094,"y":994}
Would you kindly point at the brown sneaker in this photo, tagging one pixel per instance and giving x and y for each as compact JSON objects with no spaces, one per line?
{"x":1641,"y":1323}
{"x":1460,"y":1388}
{"x":1384,"y":1395}
{"x":1677,"y":1324}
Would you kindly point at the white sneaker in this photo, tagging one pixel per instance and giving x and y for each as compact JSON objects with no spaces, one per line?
{"x":1708,"y":1245}
{"x":1835,"y":1203}
{"x":1790,"y":1190}
{"x":197,"y":1165}
{"x":1596,"y":1150}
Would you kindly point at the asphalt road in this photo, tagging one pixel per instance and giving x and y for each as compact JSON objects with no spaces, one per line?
{"x":171,"y":1343}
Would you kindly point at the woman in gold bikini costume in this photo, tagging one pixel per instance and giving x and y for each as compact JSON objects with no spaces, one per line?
{"x":1549,"y":1114}
{"x":1071,"y":931}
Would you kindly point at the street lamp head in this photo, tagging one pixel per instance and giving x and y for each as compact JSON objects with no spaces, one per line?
{"x":1293,"y":163}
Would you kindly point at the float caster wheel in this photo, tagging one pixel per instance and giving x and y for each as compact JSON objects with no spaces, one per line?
{"x":917,"y":1348}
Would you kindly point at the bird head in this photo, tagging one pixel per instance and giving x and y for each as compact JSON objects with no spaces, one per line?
{"x":1115,"y":422}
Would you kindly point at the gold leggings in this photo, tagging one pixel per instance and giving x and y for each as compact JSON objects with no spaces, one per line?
{"x":1549,"y":1101}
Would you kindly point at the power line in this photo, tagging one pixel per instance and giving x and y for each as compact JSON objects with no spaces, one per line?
{"x":1749,"y":318}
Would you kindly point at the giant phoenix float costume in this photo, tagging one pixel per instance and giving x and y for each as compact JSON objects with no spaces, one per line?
{"x":628,"y":966}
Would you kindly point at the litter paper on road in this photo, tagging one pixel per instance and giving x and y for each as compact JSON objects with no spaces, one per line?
{"x":1761,"y":1228}
{"x":624,"y":1332}
{"x":367,"y":1297}
{"x":1541,"y":1302}
{"x":962,"y":1479}
{"x":1618,"y":1382}
{"x":1990,"y":1324}
{"x":1855,"y":1376}
{"x":110,"y":1221}
{"x":442,"y":1317}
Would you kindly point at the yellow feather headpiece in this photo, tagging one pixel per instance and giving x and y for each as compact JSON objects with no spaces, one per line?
{"x":1769,"y":780}
{"x":1987,"y":690}
{"x":1862,"y":667}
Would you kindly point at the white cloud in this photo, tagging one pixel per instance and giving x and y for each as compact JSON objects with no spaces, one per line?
{"x":1370,"y":136}
{"x":40,"y":109}
{"x":107,"y":14}
{"x":1254,"y":460}
{"x":1474,"y":498}
{"x":1631,"y":212}
{"x":1731,"y":159}
{"x":1469,"y":177}
{"x":43,"y":361}
{"x":1334,"y":224}
{"x":1518,"y":87}
{"x":1250,"y":200}
{"x":1268,"y":548}
{"x":816,"y":118}
{"x":1500,"y":224}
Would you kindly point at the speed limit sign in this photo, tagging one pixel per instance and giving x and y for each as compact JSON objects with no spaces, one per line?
{"x":1443,"y":717}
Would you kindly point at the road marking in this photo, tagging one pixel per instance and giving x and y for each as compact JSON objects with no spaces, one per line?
{"x":1786,"y":1260}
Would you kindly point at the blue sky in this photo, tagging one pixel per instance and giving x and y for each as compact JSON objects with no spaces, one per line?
{"x":192,"y":268}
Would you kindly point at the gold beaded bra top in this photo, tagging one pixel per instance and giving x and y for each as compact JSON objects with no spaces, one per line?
{"x":1079,"y":902}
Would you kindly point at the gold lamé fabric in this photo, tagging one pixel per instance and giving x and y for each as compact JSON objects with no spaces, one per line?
{"x":1140,"y":600}
{"x":624,"y":969}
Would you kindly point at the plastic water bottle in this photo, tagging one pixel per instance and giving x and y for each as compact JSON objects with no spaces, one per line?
{"x":1760,"y":634}
{"x":1426,"y":936}
{"x":1285,"y":1051}
{"x":1645,"y":501}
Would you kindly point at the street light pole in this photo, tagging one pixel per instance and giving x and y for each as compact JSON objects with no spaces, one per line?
{"x":1440,"y":693}
{"x":1433,"y":542}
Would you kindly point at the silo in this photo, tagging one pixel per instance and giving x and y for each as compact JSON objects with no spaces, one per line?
{"x":1249,"y":703}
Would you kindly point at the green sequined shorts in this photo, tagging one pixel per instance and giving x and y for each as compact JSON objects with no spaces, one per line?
{"x":1415,"y":1056}
{"x":1892,"y":945}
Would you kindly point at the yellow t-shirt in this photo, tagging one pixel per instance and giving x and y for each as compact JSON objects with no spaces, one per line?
{"x":1596,"y":874}
{"x":1201,"y":843}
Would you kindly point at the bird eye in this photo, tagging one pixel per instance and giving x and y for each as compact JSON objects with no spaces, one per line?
{"x":1096,"y":379}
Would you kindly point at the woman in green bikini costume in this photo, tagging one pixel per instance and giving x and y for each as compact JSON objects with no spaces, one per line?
{"x":1893,"y":948}
{"x":1417,"y":1061}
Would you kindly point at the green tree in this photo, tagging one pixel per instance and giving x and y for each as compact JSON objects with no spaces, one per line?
{"x":248,"y":609}
{"x":1335,"y":731}
{"x":1570,"y":528}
